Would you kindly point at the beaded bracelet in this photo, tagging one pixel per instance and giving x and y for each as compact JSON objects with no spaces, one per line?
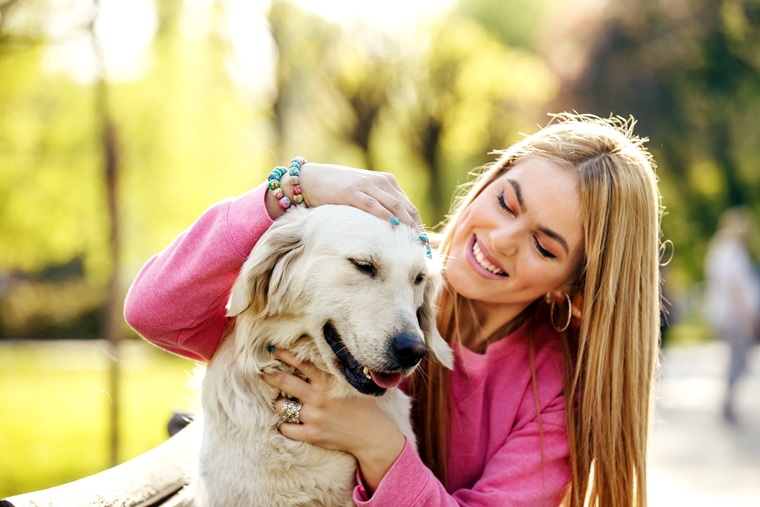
{"x":274,"y":183}
{"x":295,"y":169}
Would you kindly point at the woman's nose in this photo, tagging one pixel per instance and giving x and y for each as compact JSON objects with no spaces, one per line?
{"x":506,"y":239}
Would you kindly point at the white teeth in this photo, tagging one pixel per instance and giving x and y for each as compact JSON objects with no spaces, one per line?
{"x":483,"y":261}
{"x":366,"y":373}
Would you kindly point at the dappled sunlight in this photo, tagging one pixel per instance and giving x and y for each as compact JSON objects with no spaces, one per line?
{"x":121,"y":121}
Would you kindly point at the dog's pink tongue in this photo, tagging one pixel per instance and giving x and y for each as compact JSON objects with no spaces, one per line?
{"x":385,"y":380}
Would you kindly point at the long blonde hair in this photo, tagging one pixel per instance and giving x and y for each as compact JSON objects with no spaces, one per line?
{"x":611,"y":361}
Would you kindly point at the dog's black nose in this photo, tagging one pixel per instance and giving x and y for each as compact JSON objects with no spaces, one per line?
{"x":408,"y":349}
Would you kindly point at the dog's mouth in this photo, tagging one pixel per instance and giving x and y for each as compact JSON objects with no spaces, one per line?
{"x":360,"y":377}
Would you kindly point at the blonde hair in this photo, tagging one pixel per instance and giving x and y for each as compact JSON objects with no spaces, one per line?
{"x":611,"y":361}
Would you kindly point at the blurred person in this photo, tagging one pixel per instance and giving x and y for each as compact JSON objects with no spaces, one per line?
{"x":733,"y":294}
{"x":565,"y":220}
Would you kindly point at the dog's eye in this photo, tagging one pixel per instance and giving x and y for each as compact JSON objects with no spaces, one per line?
{"x":365,"y":267}
{"x":420,"y":278}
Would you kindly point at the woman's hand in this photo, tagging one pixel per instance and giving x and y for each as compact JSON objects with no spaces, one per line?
{"x":355,"y":425}
{"x":374,"y":192}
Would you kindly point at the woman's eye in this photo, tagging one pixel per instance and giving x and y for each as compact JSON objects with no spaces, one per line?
{"x":543,"y":251}
{"x":503,"y":204}
{"x":365,"y":267}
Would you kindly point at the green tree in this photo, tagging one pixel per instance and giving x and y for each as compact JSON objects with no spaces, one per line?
{"x":689,"y":74}
{"x":476,"y":95}
{"x":427,"y":105}
{"x":185,"y":137}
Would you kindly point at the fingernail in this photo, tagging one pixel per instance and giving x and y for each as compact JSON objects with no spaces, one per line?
{"x":271,"y":349}
{"x":394,"y":220}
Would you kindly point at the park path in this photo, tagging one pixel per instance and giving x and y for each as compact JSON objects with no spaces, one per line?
{"x":695,"y":458}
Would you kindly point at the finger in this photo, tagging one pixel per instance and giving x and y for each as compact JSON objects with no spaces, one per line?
{"x":299,"y":432}
{"x":384,"y":206}
{"x":280,"y":403}
{"x":399,"y":205}
{"x":310,"y":371}
{"x":289,"y":384}
{"x":406,"y":214}
{"x":408,"y":206}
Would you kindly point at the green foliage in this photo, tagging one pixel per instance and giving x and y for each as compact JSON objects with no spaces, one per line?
{"x":184,"y":141}
{"x":426,"y":106}
{"x":515,"y":23}
{"x":476,"y":98}
{"x":50,"y":200}
{"x":185,"y":137}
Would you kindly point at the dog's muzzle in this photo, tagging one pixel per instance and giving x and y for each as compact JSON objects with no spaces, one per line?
{"x":405,"y":351}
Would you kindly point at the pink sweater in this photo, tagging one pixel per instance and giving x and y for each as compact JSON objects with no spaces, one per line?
{"x":498,"y":456}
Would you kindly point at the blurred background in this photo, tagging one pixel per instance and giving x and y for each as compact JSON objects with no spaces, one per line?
{"x":122,"y":120}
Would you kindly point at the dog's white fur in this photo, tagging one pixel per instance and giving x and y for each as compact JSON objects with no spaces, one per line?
{"x":301,"y":275}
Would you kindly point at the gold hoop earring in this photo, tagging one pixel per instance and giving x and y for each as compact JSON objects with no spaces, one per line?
{"x":569,"y":313}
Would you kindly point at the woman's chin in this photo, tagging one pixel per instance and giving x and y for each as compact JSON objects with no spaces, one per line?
{"x":463,"y":279}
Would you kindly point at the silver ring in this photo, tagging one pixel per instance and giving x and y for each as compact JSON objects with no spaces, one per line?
{"x":291,"y":411}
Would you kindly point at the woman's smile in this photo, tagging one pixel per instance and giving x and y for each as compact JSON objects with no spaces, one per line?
{"x":483,"y":263}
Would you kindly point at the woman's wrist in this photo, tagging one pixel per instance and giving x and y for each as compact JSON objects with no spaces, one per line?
{"x":307,"y":177}
{"x":284,"y":188}
{"x":273,"y":207}
{"x":376,"y":459}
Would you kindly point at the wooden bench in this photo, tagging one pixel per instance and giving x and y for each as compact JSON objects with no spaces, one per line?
{"x":157,"y":478}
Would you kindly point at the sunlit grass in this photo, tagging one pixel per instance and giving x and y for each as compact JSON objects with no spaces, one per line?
{"x":55,"y":406}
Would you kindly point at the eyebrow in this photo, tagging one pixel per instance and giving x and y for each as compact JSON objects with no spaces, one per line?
{"x":518,"y":192}
{"x":559,"y":239}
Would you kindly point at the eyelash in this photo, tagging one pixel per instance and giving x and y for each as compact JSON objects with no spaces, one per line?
{"x":503,"y":203}
{"x":541,"y":250}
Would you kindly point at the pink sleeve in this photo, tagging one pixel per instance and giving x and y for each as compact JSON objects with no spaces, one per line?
{"x":178,"y":299}
{"x":515,"y":476}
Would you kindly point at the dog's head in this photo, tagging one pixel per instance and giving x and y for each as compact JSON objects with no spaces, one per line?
{"x":344,"y":290}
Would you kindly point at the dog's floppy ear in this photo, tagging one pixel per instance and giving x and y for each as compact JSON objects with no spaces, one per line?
{"x":437,"y":346}
{"x":252,"y":284}
{"x":259,"y":290}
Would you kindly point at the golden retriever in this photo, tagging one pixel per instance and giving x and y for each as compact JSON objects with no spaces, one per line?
{"x":344,"y":290}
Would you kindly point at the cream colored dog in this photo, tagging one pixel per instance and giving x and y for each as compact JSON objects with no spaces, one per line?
{"x":337,"y":287}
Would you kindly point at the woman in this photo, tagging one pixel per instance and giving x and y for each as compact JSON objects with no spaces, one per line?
{"x":569,"y":214}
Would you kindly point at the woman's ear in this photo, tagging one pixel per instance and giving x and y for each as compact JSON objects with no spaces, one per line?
{"x":559,"y":297}
{"x":437,"y":346}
